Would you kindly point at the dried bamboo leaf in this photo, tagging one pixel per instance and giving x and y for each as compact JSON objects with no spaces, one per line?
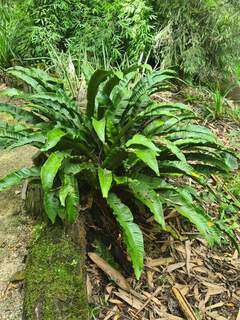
{"x":113,"y":274}
{"x":184,"y":305}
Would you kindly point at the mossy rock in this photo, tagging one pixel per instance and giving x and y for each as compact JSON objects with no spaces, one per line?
{"x":54,"y":279}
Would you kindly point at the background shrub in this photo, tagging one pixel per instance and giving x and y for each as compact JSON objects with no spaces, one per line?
{"x":12,"y":31}
{"x":100,"y":31}
{"x":200,"y":37}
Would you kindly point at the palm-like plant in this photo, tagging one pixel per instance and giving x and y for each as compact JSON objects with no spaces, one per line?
{"x":123,"y":147}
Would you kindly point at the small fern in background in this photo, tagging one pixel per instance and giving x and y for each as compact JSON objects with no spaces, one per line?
{"x":124,"y":148}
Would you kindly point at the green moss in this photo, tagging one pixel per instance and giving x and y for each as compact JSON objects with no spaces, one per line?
{"x":54,"y":284}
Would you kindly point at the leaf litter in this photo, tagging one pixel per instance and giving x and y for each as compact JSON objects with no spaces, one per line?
{"x":210,"y":291}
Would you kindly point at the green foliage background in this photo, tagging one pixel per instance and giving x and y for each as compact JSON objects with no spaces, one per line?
{"x":201,"y":37}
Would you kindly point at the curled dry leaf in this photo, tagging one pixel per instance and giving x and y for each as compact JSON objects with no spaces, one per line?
{"x":175,"y":266}
{"x":159,"y":262}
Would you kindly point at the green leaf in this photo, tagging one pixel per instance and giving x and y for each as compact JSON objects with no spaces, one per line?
{"x":65,"y":189}
{"x":50,"y":169}
{"x":206,"y":158}
{"x":152,"y":182}
{"x":17,"y":177}
{"x":115,"y":158}
{"x":75,"y":168}
{"x":41,"y":76}
{"x":99,"y":127}
{"x":21,"y":74}
{"x":173,"y":148}
{"x":72,"y":200}
{"x":149,"y":198}
{"x":181,"y":200}
{"x":97,"y":78}
{"x":69,"y":196}
{"x":231,"y":161}
{"x":154,"y":127}
{"x":35,"y":139}
{"x":52,"y":205}
{"x":87,"y":71}
{"x":149,"y":158}
{"x":132,"y":234}
{"x":204,"y":224}
{"x":120,"y":96}
{"x":20,"y":114}
{"x":105,"y":179}
{"x":171,"y":106}
{"x":121,"y":179}
{"x":11,"y":92}
{"x":13,"y":135}
{"x":185,"y":135}
{"x":139,"y":139}
{"x":148,"y":84}
{"x":63,"y":193}
{"x":183,"y":167}
{"x":53,"y":137}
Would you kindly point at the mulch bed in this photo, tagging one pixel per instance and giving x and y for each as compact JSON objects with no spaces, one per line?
{"x":208,"y":279}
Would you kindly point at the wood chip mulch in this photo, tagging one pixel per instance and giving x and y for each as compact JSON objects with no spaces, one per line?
{"x":182,"y":280}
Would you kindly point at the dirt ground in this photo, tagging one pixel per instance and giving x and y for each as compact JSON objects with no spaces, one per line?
{"x":15,"y":231}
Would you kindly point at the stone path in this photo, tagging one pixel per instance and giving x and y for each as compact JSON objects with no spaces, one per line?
{"x":15,"y":234}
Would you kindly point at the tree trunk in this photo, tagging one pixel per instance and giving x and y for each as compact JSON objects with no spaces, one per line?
{"x":55,"y":286}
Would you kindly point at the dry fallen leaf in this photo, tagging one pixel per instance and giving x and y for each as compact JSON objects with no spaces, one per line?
{"x":238,"y":316}
{"x":113,"y":274}
{"x":111,"y":313}
{"x":129,"y":299}
{"x":215,"y":306}
{"x":89,"y":288}
{"x":213,"y":290}
{"x":196,"y":293}
{"x":159,"y":262}
{"x":149,"y":299}
{"x":214,"y":315}
{"x":184,"y":289}
{"x":168,"y":316}
{"x":188,"y":256}
{"x":154,"y":299}
{"x":116,"y":301}
{"x":175,"y":266}
{"x":150,"y":279}
{"x":184,"y":305}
